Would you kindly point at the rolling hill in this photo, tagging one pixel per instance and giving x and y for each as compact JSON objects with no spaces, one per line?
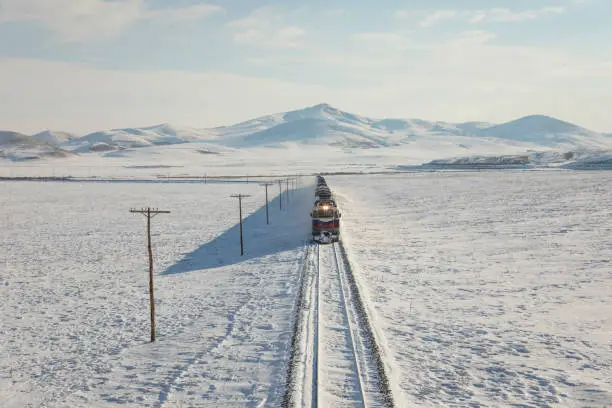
{"x":118,"y":139}
{"x":325,"y":125}
{"x":19,"y":147}
{"x":53,"y":137}
{"x":545,"y":131}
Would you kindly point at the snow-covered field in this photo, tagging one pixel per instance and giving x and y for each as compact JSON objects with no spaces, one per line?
{"x":488,"y":288}
{"x":74,"y":295}
{"x":202,"y":159}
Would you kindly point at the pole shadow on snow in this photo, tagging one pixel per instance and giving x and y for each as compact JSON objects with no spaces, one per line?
{"x":286,"y":231}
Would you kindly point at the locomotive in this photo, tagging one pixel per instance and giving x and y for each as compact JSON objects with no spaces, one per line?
{"x":325,"y":214}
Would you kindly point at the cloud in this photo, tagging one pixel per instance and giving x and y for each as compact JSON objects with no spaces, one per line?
{"x":265,"y":27}
{"x":438,"y":16}
{"x":497,"y":15}
{"x":81,"y":98}
{"x":462,"y":78}
{"x":337,"y":12}
{"x":379,"y":37}
{"x":472,"y":37}
{"x":383,"y":41}
{"x":502,"y":15}
{"x":85,"y":20}
{"x":467,"y":76}
{"x":190,"y":13}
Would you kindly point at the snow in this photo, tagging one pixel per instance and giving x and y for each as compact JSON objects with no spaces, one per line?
{"x":53,"y":137}
{"x":74,"y":286}
{"x":578,"y":159}
{"x":488,"y":288}
{"x":325,"y":125}
{"x":600,"y":161}
{"x":16,"y":147}
{"x":193,"y":159}
{"x":339,"y":379}
{"x":163,"y":134}
{"x":547,"y":131}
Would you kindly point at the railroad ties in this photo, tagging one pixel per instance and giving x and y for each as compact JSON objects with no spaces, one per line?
{"x":336,"y":360}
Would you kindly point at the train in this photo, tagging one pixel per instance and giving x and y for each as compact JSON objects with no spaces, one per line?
{"x":325,"y":214}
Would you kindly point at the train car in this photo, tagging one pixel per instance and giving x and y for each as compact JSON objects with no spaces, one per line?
{"x":325,"y":221}
{"x":323,"y":193}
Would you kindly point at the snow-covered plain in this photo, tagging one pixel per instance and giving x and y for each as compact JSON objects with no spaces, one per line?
{"x":487,"y":288}
{"x":74,"y":295}
{"x":203,"y":159}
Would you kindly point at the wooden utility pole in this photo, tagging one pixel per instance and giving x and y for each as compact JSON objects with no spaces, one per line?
{"x":293,"y":180}
{"x":267,"y":214}
{"x":240,"y":197}
{"x":150,"y":213}
{"x":280,"y":194}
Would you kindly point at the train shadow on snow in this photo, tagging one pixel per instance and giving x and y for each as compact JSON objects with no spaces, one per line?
{"x":287,"y":230}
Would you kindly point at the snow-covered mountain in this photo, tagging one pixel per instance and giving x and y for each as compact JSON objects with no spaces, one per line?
{"x":546,"y":131}
{"x":320,"y":124}
{"x":325,"y":125}
{"x":19,"y":147}
{"x":117,"y":139}
{"x":54,"y":137}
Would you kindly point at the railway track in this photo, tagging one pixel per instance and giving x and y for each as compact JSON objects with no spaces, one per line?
{"x":336,"y":362}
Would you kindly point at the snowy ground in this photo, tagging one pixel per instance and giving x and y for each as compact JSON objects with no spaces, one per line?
{"x":337,"y":362}
{"x":489,"y":288}
{"x":189,"y":159}
{"x":74,"y":295}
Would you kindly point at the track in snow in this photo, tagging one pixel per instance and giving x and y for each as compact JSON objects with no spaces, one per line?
{"x":339,"y":367}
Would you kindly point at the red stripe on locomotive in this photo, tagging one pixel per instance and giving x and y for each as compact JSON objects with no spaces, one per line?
{"x":325,"y":224}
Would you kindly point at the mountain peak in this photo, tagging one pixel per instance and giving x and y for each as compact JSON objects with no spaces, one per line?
{"x":323,"y":105}
{"x":322,"y":111}
{"x":54,"y":137}
{"x":543,"y":130}
{"x":543,"y":119}
{"x":538,"y":117}
{"x":542,"y":123}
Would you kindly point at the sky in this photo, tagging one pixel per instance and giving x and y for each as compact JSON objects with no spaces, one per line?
{"x":87,"y":65}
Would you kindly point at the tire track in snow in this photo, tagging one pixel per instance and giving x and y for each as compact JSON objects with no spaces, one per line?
{"x":165,"y":400}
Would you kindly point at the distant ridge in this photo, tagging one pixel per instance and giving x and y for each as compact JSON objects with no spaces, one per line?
{"x":53,"y":137}
{"x":325,"y":125}
{"x":19,"y":147}
{"x":543,"y":130}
